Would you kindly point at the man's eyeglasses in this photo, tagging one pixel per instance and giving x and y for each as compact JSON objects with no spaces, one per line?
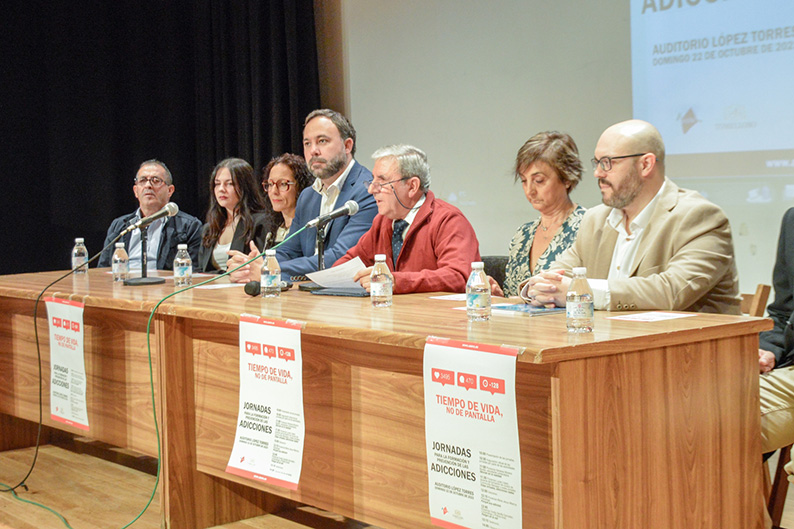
{"x":380,"y":185}
{"x":606,"y":161}
{"x":156,"y":181}
{"x":282,"y":185}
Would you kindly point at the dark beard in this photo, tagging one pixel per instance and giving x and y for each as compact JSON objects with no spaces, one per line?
{"x":332,"y":167}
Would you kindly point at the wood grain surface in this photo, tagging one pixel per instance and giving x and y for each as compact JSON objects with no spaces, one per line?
{"x":635,"y":425}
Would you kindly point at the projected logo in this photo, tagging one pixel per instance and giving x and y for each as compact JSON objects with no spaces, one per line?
{"x":688,"y":120}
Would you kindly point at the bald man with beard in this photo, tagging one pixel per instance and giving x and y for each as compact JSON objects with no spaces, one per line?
{"x":651,"y":245}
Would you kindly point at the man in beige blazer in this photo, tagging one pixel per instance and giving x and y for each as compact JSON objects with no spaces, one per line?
{"x":651,"y":245}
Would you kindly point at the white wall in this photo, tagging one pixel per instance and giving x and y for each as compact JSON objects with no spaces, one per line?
{"x":470,"y":81}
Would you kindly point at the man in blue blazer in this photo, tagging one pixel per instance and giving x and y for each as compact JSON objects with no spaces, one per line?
{"x":329,"y":144}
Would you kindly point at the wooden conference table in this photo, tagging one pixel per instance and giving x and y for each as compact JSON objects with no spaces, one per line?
{"x":636,"y":425}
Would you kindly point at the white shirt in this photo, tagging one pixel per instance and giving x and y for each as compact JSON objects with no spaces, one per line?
{"x":625,"y":251}
{"x":152,"y":243}
{"x":220,"y":256}
{"x":331,"y":194}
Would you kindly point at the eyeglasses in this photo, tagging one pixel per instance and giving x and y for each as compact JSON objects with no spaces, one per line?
{"x":380,"y":185}
{"x":606,"y":161}
{"x":282,"y":185}
{"x":156,"y":181}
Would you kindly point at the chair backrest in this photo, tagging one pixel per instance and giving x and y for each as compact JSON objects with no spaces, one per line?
{"x":494,"y":266}
{"x":755,"y":304}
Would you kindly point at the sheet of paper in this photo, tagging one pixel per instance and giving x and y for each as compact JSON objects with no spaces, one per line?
{"x":68,"y":403}
{"x":268,"y":444}
{"x":451,"y":297}
{"x":651,"y":316}
{"x":338,"y":276}
{"x":471,"y":435}
{"x":222,"y":285}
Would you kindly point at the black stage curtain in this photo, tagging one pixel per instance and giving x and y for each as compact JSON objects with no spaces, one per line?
{"x":92,"y":88}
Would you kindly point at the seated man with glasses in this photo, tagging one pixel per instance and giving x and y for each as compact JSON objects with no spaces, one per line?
{"x":329,"y":147}
{"x":153,"y":187}
{"x":651,"y":245}
{"x":429,"y":244}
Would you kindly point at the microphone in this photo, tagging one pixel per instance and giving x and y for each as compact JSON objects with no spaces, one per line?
{"x":252,"y":288}
{"x":350,"y":208}
{"x":169,"y":210}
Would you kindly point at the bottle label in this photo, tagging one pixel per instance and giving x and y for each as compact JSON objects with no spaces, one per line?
{"x":477,"y":300}
{"x":579,"y":309}
{"x":379,"y":289}
{"x":183,"y":271}
{"x":271,"y":280}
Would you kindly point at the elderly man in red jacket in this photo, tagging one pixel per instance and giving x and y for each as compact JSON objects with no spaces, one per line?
{"x":429,"y":244}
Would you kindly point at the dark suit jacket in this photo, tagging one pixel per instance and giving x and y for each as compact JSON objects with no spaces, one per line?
{"x":261,"y":231}
{"x":179,"y":229}
{"x":296,"y":256}
{"x":780,"y":340}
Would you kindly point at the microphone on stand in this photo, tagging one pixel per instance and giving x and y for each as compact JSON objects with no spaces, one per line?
{"x":169,"y":210}
{"x":350,"y":208}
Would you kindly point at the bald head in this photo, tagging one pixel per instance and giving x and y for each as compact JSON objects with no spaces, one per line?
{"x":635,"y":136}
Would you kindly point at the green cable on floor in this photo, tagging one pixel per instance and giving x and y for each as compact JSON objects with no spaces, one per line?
{"x":14,"y":493}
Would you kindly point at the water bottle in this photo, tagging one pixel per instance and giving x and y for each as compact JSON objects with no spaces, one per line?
{"x":121,"y":263}
{"x":79,"y":256}
{"x":380,"y":283}
{"x":579,"y":303}
{"x":478,"y":294}
{"x":183,"y":267}
{"x":271,"y":276}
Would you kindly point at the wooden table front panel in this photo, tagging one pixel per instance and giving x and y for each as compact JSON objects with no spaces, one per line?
{"x":118,"y":390}
{"x":665,"y":438}
{"x":364,"y":454}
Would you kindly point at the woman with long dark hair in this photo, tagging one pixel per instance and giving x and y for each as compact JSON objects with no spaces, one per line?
{"x":235,"y":215}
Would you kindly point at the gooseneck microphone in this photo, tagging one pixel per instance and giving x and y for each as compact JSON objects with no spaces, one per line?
{"x":169,"y":210}
{"x":350,"y":208}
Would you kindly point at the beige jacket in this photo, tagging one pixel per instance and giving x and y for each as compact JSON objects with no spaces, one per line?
{"x":684,"y":261}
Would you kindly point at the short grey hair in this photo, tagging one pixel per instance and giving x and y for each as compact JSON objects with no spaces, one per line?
{"x":155,"y":161}
{"x":343,"y":125}
{"x":411,"y":162}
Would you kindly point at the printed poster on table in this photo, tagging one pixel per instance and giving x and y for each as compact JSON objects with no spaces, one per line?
{"x":67,"y":363}
{"x":268,"y":445}
{"x":471,"y":433}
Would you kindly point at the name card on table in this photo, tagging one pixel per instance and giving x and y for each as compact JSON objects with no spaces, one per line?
{"x":268,"y":445}
{"x":67,"y":363}
{"x":471,"y":432}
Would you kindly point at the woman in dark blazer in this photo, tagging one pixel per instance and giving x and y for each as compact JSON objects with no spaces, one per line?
{"x":236,"y":214}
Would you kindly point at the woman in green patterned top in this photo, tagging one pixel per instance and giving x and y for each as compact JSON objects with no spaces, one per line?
{"x":548,"y":167}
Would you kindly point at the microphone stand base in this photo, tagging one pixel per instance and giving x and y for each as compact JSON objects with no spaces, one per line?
{"x":139,"y":281}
